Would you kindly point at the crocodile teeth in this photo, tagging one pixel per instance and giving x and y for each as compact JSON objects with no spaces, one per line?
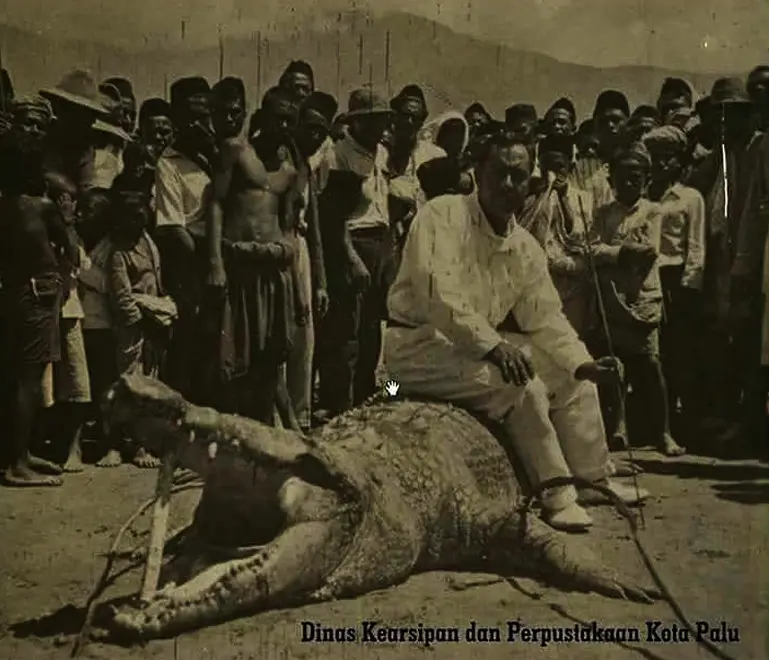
{"x":212,"y":449}
{"x":191,"y":437}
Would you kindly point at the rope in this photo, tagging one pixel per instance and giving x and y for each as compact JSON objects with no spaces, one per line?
{"x":609,"y":345}
{"x":626,"y":513}
{"x":112,"y":557}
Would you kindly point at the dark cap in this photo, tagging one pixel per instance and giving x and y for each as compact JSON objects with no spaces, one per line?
{"x":229,"y":89}
{"x":673,"y":89}
{"x":438,"y":176}
{"x":635,"y":152}
{"x":520,"y":112}
{"x":611,"y":99}
{"x":478,"y":108}
{"x":123,"y":85}
{"x":365,"y":101}
{"x":559,"y":144}
{"x":566,"y":105}
{"x":645,"y":112}
{"x":184,"y":89}
{"x":321,"y":106}
{"x":154,"y":107}
{"x":729,"y":91}
{"x":586,"y":128}
{"x":409,"y":93}
{"x":299,"y":67}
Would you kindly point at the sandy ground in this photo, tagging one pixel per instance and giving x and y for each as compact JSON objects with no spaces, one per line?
{"x":706,"y":527}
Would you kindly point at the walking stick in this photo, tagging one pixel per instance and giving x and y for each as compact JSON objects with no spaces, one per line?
{"x":609,"y":345}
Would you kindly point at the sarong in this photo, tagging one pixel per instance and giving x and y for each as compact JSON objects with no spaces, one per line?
{"x":258,"y":320}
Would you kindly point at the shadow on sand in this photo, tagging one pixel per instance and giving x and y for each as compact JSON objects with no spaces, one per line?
{"x":687,"y":468}
{"x":744,"y":483}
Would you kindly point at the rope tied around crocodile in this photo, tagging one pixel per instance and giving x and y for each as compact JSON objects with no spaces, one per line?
{"x":627,"y":514}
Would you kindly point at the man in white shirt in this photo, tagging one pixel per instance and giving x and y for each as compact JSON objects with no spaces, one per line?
{"x":468,"y":272}
{"x":359,"y":262}
{"x":182,"y":196}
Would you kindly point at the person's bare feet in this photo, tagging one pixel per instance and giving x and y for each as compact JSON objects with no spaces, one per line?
{"x":143,"y":459}
{"x":671,"y":448}
{"x":74,"y":462}
{"x":41,"y":466}
{"x":618,"y":468}
{"x":22,"y":476}
{"x":111,"y":460}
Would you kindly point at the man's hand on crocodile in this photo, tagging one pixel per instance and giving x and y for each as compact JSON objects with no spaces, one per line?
{"x":514,"y":363}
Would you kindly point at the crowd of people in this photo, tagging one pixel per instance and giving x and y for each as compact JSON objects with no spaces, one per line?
{"x":535,"y":270}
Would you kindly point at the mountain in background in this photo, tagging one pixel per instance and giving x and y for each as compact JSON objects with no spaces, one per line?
{"x":454,"y":69}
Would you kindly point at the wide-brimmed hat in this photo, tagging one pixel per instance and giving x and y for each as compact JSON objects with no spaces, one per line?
{"x":364,"y":102}
{"x":77,"y":87}
{"x":111,"y":99}
{"x":729,"y":91}
{"x":101,"y":126}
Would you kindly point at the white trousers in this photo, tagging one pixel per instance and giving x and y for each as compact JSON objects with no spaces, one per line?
{"x":554,"y":422}
{"x":298,"y":366}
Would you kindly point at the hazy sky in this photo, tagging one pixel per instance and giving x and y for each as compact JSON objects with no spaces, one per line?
{"x":703,"y":35}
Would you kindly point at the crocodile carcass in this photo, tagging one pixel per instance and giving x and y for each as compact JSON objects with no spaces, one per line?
{"x":381,"y":493}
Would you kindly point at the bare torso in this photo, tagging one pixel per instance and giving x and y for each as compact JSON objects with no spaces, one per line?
{"x":27,"y":249}
{"x":252,"y":210}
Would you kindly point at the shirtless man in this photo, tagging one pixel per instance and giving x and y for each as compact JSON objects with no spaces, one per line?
{"x":37,"y":248}
{"x":248,"y":251}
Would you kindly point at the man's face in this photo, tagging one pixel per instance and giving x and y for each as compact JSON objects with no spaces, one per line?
{"x":30,"y":128}
{"x":73,"y":121}
{"x":368,"y":130}
{"x":194,"y":123}
{"x":666,"y":164}
{"x":132,"y":215}
{"x":559,"y":122}
{"x":451,"y":137}
{"x":279,"y":119}
{"x":629,"y":180}
{"x":408,"y":119}
{"x":522,"y":129}
{"x":609,"y":123}
{"x":299,"y":85}
{"x":737,"y":125}
{"x":128,"y":115}
{"x":157,"y":133}
{"x":758,"y":89}
{"x":476,"y":121}
{"x":555,"y":162}
{"x":228,"y":118}
{"x":309,"y":137}
{"x":503,"y":180}
{"x":643,"y":125}
{"x":587,"y":146}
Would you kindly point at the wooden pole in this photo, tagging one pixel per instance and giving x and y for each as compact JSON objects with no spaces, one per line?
{"x":360,"y":55}
{"x":259,"y":66}
{"x":159,"y":525}
{"x":338,"y":59}
{"x":387,"y":63}
{"x":221,"y":54}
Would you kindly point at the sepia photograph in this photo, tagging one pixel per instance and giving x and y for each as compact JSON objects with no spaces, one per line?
{"x":375,"y":329}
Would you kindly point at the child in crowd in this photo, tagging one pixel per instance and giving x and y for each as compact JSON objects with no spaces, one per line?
{"x":682,"y":265}
{"x":626,"y":237}
{"x":140,"y":311}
